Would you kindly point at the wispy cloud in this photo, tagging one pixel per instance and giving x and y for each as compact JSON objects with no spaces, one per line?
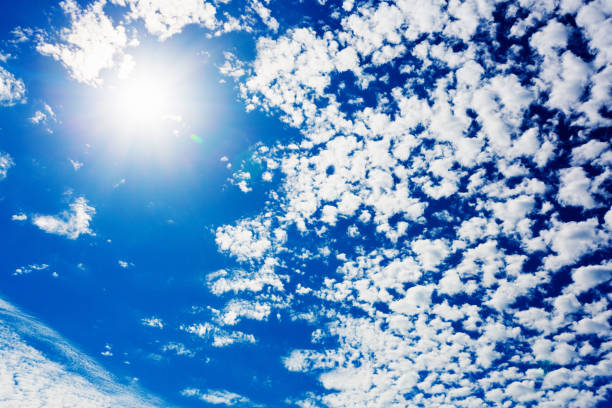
{"x":24,"y":270}
{"x":70,"y":224}
{"x":219,"y":397}
{"x":40,"y":375}
{"x":6,"y":162}
{"x":12,"y":90}
{"x":152,"y":322}
{"x":19,"y":217}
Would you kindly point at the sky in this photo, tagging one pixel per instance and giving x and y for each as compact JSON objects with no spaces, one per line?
{"x":305,"y":203}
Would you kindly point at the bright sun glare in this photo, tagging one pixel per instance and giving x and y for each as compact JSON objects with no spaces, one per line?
{"x":143,"y":100}
{"x":147,"y":101}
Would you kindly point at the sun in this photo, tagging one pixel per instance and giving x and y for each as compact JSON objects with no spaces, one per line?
{"x":144,"y":100}
{"x":154,"y":109}
{"x":149,"y":102}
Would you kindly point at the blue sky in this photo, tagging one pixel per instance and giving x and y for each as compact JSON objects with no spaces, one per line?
{"x":313,"y":203}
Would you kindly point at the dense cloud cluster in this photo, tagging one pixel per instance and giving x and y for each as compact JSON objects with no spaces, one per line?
{"x":462,"y":150}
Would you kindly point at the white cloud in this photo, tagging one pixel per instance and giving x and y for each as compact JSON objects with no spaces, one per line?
{"x":587,"y":277}
{"x":249,"y":239}
{"x":608,"y":219}
{"x":6,"y":162}
{"x":567,"y":89}
{"x":232,"y":67}
{"x":119,"y":183}
{"x":571,"y":240}
{"x":595,"y":19}
{"x":107,"y":351}
{"x":12,"y":90}
{"x":54,"y":370}
{"x":267,"y":176}
{"x":347,"y":59}
{"x":41,"y":116}
{"x":179,"y":349}
{"x":76,"y":165}
{"x":155,"y":322}
{"x":265,"y":14}
{"x":430,"y":252}
{"x":597,"y":325}
{"x":91,"y":44}
{"x":165,"y":18}
{"x":500,"y":105}
{"x":244,"y":186}
{"x":522,"y":391}
{"x":508,"y":291}
{"x":550,"y":39}
{"x":588,"y":152}
{"x":71,"y":223}
{"x":218,"y":337}
{"x":222,"y":281}
{"x":38,"y":117}
{"x":450,"y":283}
{"x":217,"y":397}
{"x":416,"y":300}
{"x":24,"y":270}
{"x":556,"y":378}
{"x":236,"y":310}
{"x":560,"y":353}
{"x":477,"y":228}
{"x":5,"y":57}
{"x":19,"y":217}
{"x":575,"y":188}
